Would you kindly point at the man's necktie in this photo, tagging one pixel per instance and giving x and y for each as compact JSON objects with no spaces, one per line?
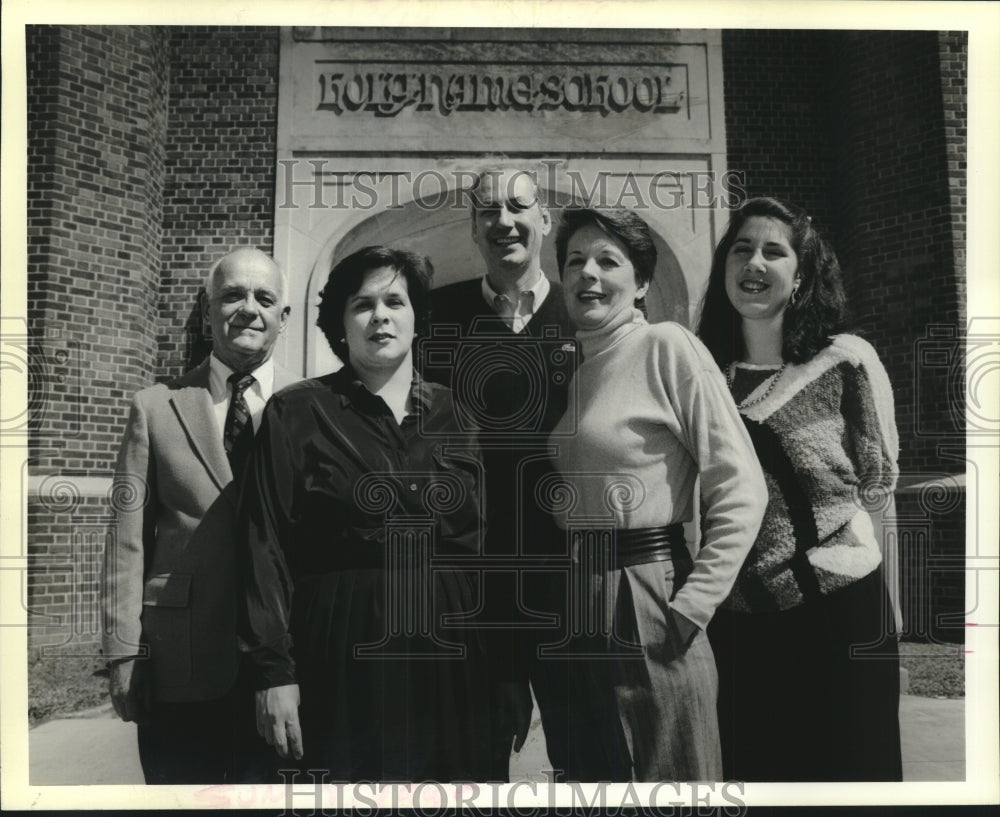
{"x":238,"y":433}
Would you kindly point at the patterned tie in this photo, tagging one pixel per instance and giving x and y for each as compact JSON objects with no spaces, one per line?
{"x":238,"y":433}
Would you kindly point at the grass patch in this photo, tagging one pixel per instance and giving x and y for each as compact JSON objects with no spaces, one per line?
{"x":936,"y":670}
{"x":60,"y":686}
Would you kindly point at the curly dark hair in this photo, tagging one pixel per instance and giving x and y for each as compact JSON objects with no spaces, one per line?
{"x":622,"y":224}
{"x":347,"y":276}
{"x":820,"y":308}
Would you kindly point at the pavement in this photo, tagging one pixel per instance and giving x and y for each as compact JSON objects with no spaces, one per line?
{"x":94,"y":747}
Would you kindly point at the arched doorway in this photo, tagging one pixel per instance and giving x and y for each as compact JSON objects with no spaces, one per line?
{"x":443,"y":234}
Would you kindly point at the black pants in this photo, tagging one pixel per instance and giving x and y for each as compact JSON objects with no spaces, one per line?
{"x":206,"y":742}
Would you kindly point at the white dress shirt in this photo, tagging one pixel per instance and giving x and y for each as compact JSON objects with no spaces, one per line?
{"x":524,"y":310}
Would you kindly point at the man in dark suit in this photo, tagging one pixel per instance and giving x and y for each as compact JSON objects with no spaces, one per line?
{"x":513,"y":359}
{"x":169,"y":593}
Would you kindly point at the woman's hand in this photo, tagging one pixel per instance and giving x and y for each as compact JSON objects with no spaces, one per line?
{"x":278,"y":719}
{"x":685,"y":629}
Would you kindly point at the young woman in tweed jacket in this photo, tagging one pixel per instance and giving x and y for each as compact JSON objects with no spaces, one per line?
{"x":806,"y":641}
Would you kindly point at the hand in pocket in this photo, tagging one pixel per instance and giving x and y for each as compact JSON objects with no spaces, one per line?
{"x":663,"y":634}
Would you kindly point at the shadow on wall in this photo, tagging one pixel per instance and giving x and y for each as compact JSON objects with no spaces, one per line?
{"x":197,"y":335}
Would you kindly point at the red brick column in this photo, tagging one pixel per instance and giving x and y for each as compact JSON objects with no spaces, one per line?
{"x":96,"y":156}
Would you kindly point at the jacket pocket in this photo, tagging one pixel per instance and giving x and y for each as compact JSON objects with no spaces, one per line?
{"x":167,"y":590}
{"x":166,"y":626}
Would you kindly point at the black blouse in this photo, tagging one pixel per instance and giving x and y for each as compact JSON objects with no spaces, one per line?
{"x":330,"y":474}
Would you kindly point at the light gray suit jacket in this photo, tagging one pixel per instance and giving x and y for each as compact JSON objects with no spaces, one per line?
{"x":169,"y":569}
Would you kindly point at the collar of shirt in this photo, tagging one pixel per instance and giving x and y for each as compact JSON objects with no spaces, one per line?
{"x":357,"y":392}
{"x":256,"y":396}
{"x":529,"y":301}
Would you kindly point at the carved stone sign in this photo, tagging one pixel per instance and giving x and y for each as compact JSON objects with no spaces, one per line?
{"x":537,"y":92}
{"x":346,"y":88}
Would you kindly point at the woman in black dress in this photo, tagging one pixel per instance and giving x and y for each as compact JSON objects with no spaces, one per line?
{"x":362,"y":515}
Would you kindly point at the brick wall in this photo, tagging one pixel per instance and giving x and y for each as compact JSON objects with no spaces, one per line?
{"x":953,"y":50}
{"x":777,"y":132}
{"x":96,"y":116}
{"x":866,"y":131}
{"x":221,"y":144}
{"x":897,"y":224}
{"x":69,"y":527}
{"x":900,"y":191}
{"x":931,"y":531}
{"x":96,"y":151}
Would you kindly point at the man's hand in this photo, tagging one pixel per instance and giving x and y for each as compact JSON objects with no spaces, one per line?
{"x":130,"y":691}
{"x":278,"y":719}
{"x":515,"y":698}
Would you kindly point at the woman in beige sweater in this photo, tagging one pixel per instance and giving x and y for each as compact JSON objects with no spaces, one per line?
{"x":648,"y":416}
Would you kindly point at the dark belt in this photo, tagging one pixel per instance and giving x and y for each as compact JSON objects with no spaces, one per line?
{"x":639,"y":546}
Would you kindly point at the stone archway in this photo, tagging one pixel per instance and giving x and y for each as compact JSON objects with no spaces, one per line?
{"x":363,"y":128}
{"x":443,"y":234}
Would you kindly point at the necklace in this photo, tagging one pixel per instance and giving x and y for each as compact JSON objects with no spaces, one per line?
{"x":772,"y":382}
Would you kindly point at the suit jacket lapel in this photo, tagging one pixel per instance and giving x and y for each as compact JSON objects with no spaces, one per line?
{"x":192,"y":403}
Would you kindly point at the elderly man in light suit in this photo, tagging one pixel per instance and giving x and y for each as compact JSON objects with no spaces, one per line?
{"x":169,"y":592}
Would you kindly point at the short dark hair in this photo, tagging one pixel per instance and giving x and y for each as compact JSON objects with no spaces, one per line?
{"x":820,"y":308}
{"x":346,"y":279}
{"x":622,"y":224}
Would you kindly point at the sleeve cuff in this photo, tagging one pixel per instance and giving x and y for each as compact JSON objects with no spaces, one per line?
{"x":685,"y":629}
{"x":272,"y":665}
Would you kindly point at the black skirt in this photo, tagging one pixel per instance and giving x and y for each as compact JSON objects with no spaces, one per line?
{"x":811,"y":693}
{"x":380,"y":704}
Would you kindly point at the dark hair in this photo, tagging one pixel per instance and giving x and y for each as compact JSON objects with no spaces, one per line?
{"x":820,"y":308}
{"x":622,"y":224}
{"x":349,"y":273}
